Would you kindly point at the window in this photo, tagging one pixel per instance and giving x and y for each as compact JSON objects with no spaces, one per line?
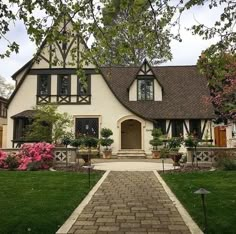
{"x":195,"y":127}
{"x":160,"y":123}
{"x":3,"y":110}
{"x":145,"y":89}
{"x":87,"y":126}
{"x":84,"y":87}
{"x":177,"y":128}
{"x":63,"y":85}
{"x":44,"y":85}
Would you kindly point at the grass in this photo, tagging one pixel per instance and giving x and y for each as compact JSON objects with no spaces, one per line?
{"x":221,"y":202}
{"x":39,"y":202}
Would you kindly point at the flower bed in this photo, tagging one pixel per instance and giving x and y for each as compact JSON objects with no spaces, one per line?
{"x":30,"y":157}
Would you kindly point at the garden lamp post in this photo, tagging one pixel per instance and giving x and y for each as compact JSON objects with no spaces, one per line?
{"x":163,"y":167}
{"x":89,"y":167}
{"x":203,"y":192}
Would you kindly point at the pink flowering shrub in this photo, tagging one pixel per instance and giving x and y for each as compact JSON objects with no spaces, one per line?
{"x":30,"y":157}
{"x":3,"y":156}
{"x":36,"y":156}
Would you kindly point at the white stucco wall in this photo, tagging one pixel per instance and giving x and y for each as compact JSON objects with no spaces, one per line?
{"x":103,"y":105}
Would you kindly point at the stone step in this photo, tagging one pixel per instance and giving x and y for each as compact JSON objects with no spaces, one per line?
{"x":139,"y":154}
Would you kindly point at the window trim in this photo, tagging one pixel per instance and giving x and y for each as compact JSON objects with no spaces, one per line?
{"x":39,"y":83}
{"x":59,"y":85}
{"x":141,"y":78}
{"x":86,"y":118}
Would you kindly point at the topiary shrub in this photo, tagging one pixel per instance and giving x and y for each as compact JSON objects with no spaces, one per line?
{"x":105,"y":140}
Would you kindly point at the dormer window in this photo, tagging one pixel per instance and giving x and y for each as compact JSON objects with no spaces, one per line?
{"x":145,"y":89}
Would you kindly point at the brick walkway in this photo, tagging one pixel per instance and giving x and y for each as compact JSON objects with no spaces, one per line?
{"x":130,"y":202}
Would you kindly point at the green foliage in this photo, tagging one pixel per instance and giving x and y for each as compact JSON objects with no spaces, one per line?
{"x":164,"y":152}
{"x":77,"y":142}
{"x":156,"y":141}
{"x":12,"y":161}
{"x":106,"y":132}
{"x":106,"y":140}
{"x":48,"y":125}
{"x":191,"y":141}
{"x":90,"y":142}
{"x":174,"y":143}
{"x":226,"y":161}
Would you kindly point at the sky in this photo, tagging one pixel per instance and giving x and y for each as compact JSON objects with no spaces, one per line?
{"x":184,"y":53}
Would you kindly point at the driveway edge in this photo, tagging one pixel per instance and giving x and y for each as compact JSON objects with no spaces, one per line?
{"x":193,"y":227}
{"x":73,"y":217}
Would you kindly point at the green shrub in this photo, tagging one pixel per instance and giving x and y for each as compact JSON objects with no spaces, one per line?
{"x":226,"y":161}
{"x":77,"y":142}
{"x":156,"y":141}
{"x":106,"y":140}
{"x":90,"y":142}
{"x":106,"y":132}
{"x":12,"y":161}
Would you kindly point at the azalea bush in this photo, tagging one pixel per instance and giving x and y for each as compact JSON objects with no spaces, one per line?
{"x":30,"y":157}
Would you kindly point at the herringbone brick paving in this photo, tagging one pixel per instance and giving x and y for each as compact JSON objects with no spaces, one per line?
{"x":130,"y":202}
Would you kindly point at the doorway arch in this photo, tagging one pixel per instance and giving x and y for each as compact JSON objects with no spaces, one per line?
{"x":131,"y":134}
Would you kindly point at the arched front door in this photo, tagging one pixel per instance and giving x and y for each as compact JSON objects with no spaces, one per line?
{"x":131,"y":134}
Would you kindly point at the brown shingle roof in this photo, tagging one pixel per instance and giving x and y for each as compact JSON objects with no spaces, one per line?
{"x":25,"y":114}
{"x":183,"y":92}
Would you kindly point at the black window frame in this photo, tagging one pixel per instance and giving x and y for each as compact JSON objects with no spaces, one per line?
{"x":174,"y":128}
{"x":88,"y":91}
{"x":59,"y":84}
{"x":145,"y":78}
{"x":39,"y":84}
{"x":195,"y":124}
{"x":84,"y":121}
{"x":161,"y":124}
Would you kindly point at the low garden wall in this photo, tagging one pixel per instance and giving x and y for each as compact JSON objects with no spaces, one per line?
{"x":208,"y":155}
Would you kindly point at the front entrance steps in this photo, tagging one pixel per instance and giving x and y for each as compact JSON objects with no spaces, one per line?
{"x":131,"y":153}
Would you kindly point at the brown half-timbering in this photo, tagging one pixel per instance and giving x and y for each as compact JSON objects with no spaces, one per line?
{"x":1,"y":133}
{"x":186,"y":128}
{"x":203,"y":129}
{"x":168,"y":128}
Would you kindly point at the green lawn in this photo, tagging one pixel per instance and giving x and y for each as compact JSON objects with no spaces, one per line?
{"x":221,"y":203}
{"x":39,"y":202}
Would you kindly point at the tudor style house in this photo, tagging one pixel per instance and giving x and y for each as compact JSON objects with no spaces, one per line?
{"x":131,"y":101}
{"x":3,"y":119}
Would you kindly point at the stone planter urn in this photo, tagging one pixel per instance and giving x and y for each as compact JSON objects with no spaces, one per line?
{"x":175,"y":156}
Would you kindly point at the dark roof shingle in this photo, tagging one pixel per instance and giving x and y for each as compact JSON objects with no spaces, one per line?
{"x":183,"y":92}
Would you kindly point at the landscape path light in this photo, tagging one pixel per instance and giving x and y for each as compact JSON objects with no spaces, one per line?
{"x":89,"y":167}
{"x":203,"y":192}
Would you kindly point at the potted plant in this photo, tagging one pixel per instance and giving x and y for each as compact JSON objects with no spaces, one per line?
{"x":106,"y":142}
{"x":173,"y":145}
{"x":77,"y":142}
{"x":155,"y":142}
{"x":89,"y":142}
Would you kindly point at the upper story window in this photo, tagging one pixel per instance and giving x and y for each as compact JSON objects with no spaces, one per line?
{"x":63,"y":84}
{"x":44,"y":84}
{"x":84,"y":87}
{"x":145,"y":89}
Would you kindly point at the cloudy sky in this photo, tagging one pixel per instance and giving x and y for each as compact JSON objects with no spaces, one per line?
{"x":184,"y":53}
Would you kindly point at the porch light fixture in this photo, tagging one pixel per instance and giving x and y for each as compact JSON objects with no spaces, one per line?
{"x":203,"y":192}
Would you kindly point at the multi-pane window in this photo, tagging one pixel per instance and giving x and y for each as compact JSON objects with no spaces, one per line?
{"x":3,"y":110}
{"x":87,"y":126}
{"x":195,"y":127}
{"x":161,"y":124}
{"x":44,"y":84}
{"x":145,"y":89}
{"x":177,"y":128}
{"x":84,"y":85}
{"x":63,"y":85}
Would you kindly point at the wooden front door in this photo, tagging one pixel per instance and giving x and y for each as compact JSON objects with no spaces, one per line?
{"x":131,"y":134}
{"x":220,"y":136}
{"x":1,"y":133}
